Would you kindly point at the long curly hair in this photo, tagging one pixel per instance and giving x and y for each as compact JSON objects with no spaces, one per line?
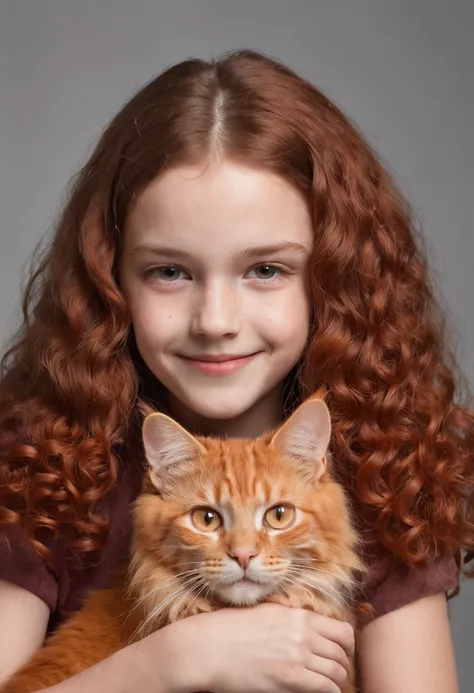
{"x":69,"y":383}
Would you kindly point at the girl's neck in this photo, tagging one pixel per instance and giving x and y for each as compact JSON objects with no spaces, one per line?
{"x":265,"y":415}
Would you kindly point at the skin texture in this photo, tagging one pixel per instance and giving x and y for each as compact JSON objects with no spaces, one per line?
{"x":215,"y":301}
{"x":24,"y":622}
{"x":409,"y":650}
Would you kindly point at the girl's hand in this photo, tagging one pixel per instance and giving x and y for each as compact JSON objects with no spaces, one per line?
{"x":267,"y":649}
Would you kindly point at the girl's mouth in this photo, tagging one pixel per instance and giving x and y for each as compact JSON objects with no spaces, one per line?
{"x":220,"y":365}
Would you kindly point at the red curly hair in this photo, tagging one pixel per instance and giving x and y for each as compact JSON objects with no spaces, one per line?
{"x":69,"y":383}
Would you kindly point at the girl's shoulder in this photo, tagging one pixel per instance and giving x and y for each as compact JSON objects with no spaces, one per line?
{"x":63,"y":580}
{"x":390,"y":584}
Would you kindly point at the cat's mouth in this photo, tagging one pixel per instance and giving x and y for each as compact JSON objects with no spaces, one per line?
{"x":245,"y":582}
{"x":243,"y":591}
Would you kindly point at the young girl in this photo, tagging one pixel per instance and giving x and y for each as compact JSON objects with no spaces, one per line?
{"x":232,"y":245}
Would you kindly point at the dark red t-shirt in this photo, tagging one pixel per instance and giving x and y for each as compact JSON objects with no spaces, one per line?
{"x":63,"y":584}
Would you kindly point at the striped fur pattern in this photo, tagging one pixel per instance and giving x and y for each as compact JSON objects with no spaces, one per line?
{"x":219,"y":523}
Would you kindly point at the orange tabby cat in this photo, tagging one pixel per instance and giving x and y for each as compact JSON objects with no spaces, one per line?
{"x":283,"y":534}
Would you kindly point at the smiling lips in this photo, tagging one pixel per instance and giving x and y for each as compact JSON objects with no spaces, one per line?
{"x":221,"y":364}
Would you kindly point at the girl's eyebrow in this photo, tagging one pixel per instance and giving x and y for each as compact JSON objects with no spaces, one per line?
{"x":245,"y":254}
{"x":265,"y":250}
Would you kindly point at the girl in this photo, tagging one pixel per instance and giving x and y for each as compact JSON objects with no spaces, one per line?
{"x":233,"y":244}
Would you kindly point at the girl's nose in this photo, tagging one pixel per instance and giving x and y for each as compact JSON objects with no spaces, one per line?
{"x":217,"y":313}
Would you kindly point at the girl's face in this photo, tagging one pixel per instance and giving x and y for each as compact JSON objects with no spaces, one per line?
{"x":213,"y":267}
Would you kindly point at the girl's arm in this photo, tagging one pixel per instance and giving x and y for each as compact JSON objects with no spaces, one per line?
{"x":24,"y":619}
{"x":409,"y":650}
{"x":23,"y":624}
{"x":161,"y":669}
{"x":268,"y":647}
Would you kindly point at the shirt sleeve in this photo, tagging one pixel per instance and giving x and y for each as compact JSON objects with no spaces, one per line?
{"x":22,"y":565}
{"x":390,"y":584}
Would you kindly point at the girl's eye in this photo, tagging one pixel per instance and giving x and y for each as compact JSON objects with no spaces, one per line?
{"x":267,"y":271}
{"x":280,"y":516}
{"x":167,"y":274}
{"x":206,"y":519}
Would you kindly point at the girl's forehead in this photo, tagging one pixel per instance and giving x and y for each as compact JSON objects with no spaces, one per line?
{"x":232,"y":205}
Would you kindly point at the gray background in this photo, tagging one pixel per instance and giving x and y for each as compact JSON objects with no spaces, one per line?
{"x":398,"y":68}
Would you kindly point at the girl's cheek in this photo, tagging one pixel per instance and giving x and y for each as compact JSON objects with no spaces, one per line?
{"x":288,"y":313}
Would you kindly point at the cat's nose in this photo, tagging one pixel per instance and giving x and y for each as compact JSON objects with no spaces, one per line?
{"x":243,"y":556}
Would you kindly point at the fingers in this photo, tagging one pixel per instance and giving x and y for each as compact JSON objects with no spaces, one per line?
{"x":310,"y":681}
{"x":339,"y":632}
{"x":328,"y":649}
{"x":328,"y":669}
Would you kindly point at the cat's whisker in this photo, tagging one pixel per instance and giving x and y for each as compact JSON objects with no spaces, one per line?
{"x":176,"y":608}
{"x":210,"y":587}
{"x":330,"y":591}
{"x":172,"y":576}
{"x":346,"y":567}
{"x":142,"y":599}
{"x":333,"y":598}
{"x":196,"y":596}
{"x":312,"y":560}
{"x":152,"y":577}
{"x":157,"y":588}
{"x":291,"y":584}
{"x":332,"y":594}
{"x":341,"y":574}
{"x":140,"y":631}
{"x":181,"y":593}
{"x":160,"y":586}
{"x":317,"y":571}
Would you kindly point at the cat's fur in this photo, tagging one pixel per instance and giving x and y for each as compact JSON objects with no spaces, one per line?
{"x":177,"y":570}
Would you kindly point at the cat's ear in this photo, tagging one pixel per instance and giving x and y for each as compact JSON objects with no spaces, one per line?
{"x":168,"y":447}
{"x":305,"y":436}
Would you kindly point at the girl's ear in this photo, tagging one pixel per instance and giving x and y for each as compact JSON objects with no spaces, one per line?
{"x":305,"y":436}
{"x":168,"y":447}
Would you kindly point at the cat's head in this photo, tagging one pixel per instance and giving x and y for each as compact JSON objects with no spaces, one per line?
{"x":240,"y":519}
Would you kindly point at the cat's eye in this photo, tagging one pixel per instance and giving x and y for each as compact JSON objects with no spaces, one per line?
{"x":280,"y":516}
{"x":206,"y":519}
